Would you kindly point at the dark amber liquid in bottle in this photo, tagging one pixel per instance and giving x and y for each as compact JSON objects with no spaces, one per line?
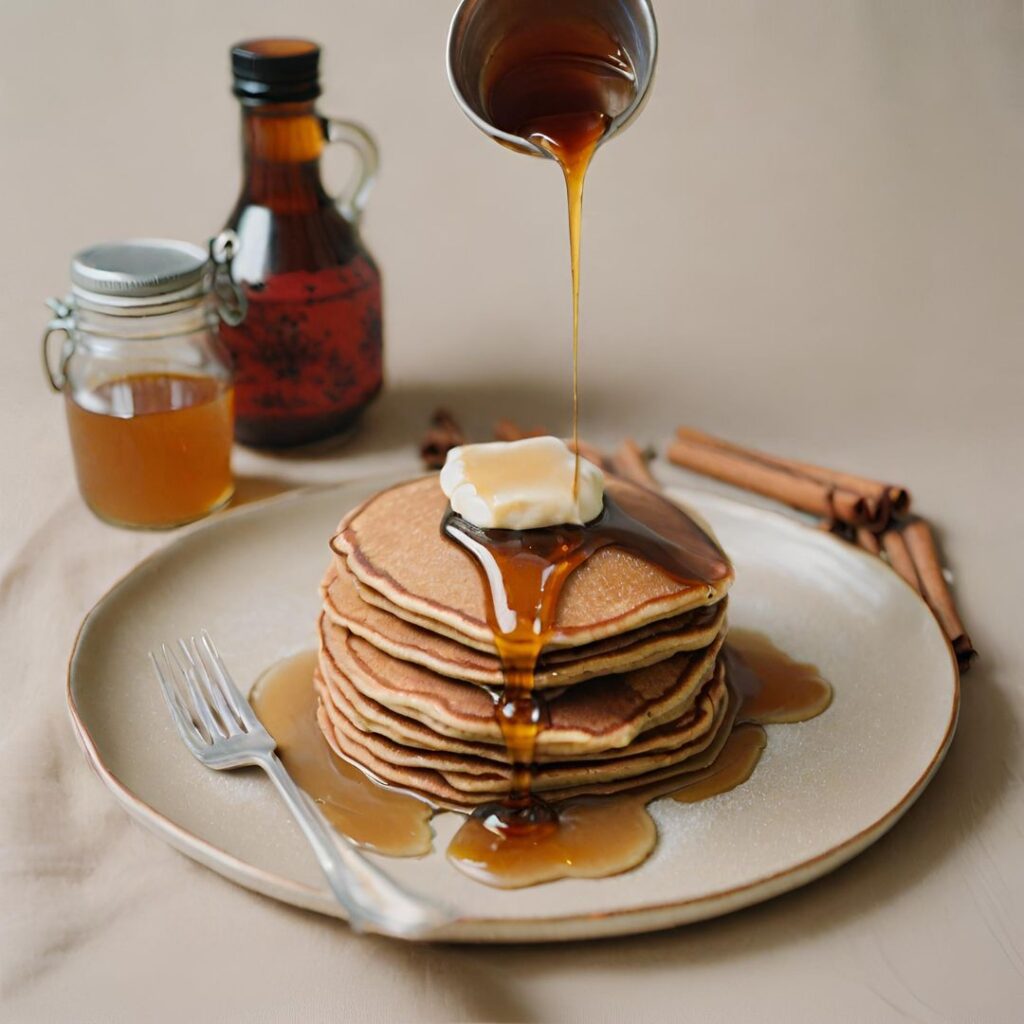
{"x":308,"y":353}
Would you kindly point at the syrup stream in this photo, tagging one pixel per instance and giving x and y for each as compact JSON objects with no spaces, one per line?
{"x":560,"y":84}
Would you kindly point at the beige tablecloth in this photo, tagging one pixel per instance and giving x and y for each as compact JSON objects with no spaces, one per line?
{"x":812,"y":239}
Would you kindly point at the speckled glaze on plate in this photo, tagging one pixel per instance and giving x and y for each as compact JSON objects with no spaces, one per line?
{"x":824,"y":790}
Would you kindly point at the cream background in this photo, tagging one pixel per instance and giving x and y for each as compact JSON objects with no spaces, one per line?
{"x":812,"y":238}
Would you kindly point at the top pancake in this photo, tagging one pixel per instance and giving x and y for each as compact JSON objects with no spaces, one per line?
{"x":393,"y":545}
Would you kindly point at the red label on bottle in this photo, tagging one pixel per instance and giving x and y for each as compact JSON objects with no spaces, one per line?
{"x":310,"y":344}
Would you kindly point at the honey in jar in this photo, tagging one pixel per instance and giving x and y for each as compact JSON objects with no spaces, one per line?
{"x":147,"y":384}
{"x":153,"y":449}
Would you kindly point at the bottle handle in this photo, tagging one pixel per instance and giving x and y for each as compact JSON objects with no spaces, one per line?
{"x":62,"y":323}
{"x":351,"y":201}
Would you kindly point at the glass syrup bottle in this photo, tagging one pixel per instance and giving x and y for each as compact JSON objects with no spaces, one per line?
{"x":308,"y":355}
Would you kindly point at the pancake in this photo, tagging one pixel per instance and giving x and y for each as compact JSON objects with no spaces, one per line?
{"x":369,"y":716}
{"x":443,"y":789}
{"x":393,"y":545}
{"x":669,"y":744}
{"x":408,"y":641}
{"x":602,"y":714}
{"x":695,"y":720}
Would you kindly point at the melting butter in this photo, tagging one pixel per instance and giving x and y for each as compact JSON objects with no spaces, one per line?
{"x":521,"y":485}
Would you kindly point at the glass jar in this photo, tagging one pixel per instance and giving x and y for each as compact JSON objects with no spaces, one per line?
{"x":147,"y":383}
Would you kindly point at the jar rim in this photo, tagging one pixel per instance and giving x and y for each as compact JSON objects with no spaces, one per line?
{"x":83,"y":300}
{"x":98,"y":328}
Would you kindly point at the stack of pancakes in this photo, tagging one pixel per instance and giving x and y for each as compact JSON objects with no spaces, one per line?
{"x":408,"y":670}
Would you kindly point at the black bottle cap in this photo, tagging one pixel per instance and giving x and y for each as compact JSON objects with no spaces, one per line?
{"x":276,"y":70}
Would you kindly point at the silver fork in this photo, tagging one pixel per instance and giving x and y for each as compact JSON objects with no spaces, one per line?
{"x":220,"y":728}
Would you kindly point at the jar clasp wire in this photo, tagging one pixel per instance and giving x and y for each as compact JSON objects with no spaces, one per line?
{"x":231,"y":300}
{"x":62,"y":323}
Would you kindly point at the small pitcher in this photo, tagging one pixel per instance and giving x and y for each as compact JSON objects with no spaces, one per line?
{"x":480,"y":27}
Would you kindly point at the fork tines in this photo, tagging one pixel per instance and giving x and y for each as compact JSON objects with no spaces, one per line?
{"x":203,"y":699}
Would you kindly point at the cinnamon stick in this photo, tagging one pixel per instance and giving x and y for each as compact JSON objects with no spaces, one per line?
{"x":737,"y":467}
{"x":868,"y":540}
{"x":631,"y":463}
{"x":593,"y":454}
{"x":443,"y":434}
{"x":509,"y":430}
{"x":838,"y":529}
{"x":921,"y":547}
{"x":881,"y":500}
{"x":911,"y":551}
{"x":894,"y":545}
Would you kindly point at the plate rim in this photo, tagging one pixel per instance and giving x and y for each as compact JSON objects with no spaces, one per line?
{"x":603,"y":924}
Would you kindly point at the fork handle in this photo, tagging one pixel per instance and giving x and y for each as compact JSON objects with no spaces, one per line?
{"x":370,"y":898}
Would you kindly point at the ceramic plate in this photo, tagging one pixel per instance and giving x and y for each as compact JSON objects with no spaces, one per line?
{"x":823,"y":791}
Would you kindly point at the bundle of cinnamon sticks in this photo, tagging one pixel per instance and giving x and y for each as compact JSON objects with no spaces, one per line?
{"x":875,"y":516}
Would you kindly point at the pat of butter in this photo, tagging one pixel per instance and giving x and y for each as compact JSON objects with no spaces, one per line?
{"x":521,"y":485}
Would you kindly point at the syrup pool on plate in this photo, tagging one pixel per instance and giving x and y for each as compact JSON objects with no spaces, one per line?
{"x":592,"y":837}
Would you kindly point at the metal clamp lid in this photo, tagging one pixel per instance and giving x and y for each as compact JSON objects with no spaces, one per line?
{"x":143,"y":277}
{"x":139,"y":272}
